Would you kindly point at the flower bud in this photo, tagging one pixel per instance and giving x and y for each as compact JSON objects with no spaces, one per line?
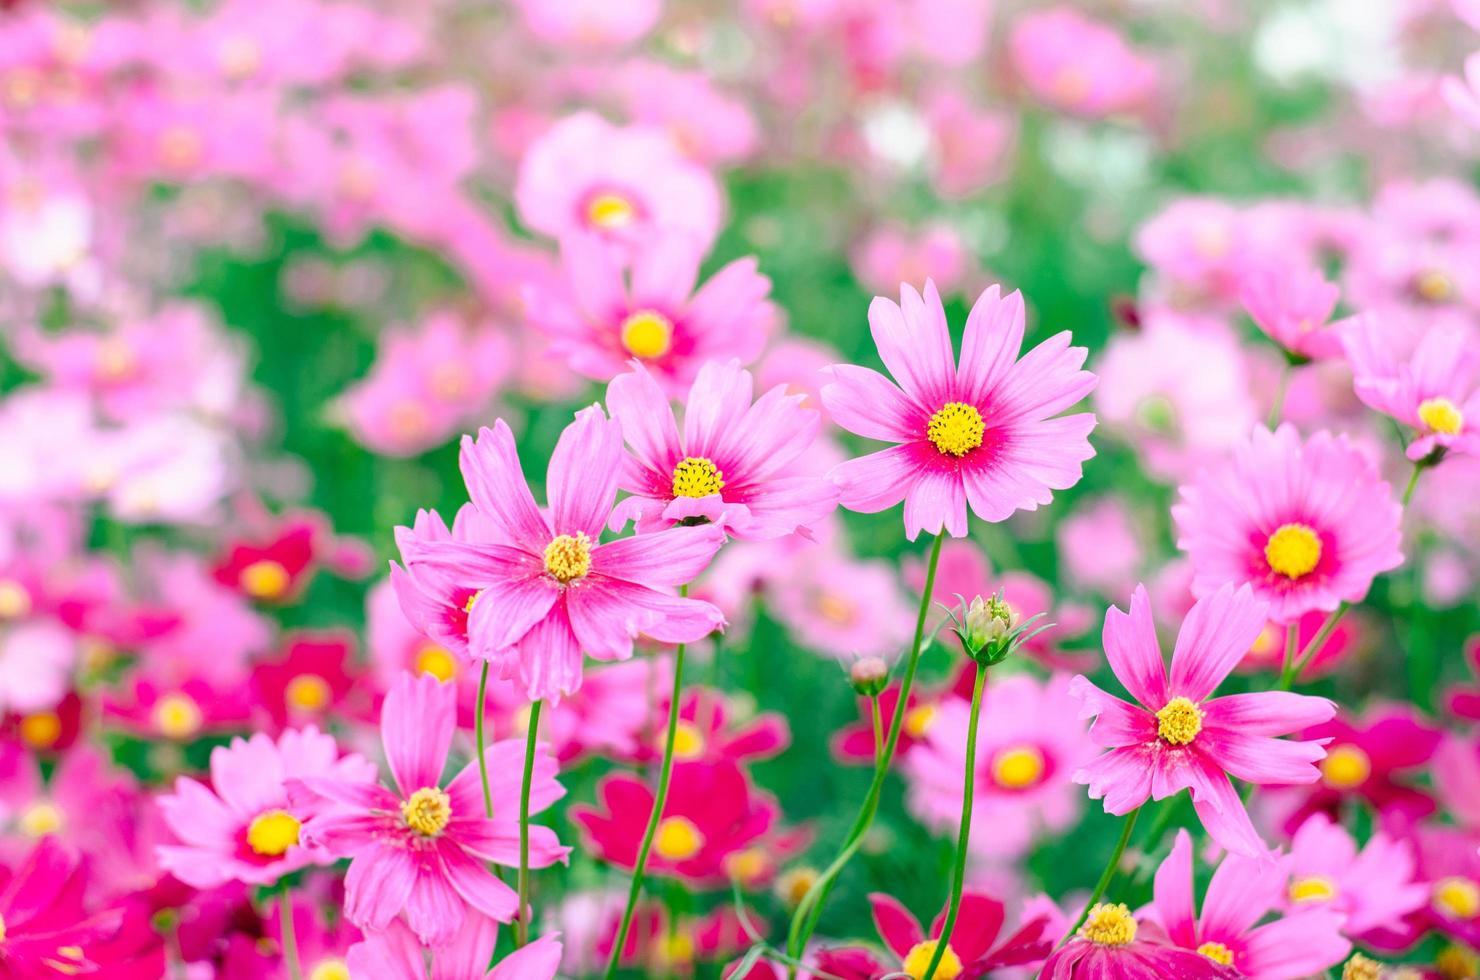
{"x":989,"y":629}
{"x":869,"y":675}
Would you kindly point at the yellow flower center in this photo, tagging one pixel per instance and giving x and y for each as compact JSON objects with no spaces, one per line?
{"x":1433,"y":286}
{"x":568,"y":557}
{"x":1441,"y":415}
{"x":1217,"y":952}
{"x":1109,"y":925}
{"x":697,"y":477}
{"x":270,"y":834}
{"x":917,"y":720}
{"x":956,"y":429}
{"x":688,"y":742}
{"x":1293,"y":550}
{"x":794,"y":885}
{"x":1345,"y":767}
{"x":427,"y":811}
{"x":331,"y":969}
{"x":40,"y":819}
{"x":2,"y":928}
{"x":678,"y":839}
{"x":678,"y":948}
{"x":1456,"y":897}
{"x":177,"y":716}
{"x":15,"y":601}
{"x":308,"y":692}
{"x":42,"y":729}
{"x":1360,"y":967}
{"x":1018,"y":767}
{"x":181,"y":148}
{"x":1452,"y":963}
{"x":609,"y":211}
{"x":747,"y":865}
{"x":834,"y":608}
{"x":647,"y":334}
{"x":265,"y":579}
{"x":1312,"y":889}
{"x":437,"y":661}
{"x":917,"y":961}
{"x":1179,"y":722}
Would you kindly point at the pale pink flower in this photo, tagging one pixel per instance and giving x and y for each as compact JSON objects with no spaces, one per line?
{"x":705,"y":122}
{"x":1435,"y":391}
{"x":36,"y":661}
{"x":1463,"y":94}
{"x":421,"y":850}
{"x":1307,"y":524}
{"x":1293,"y":306}
{"x":982,"y":434}
{"x":535,"y":591}
{"x":1373,"y":888}
{"x":1079,"y":65}
{"x":589,"y":24}
{"x":622,"y":183}
{"x":1176,"y":738}
{"x":396,"y":954}
{"x":840,"y":606}
{"x":735,"y":464}
{"x":1100,"y":547}
{"x":970,"y":148}
{"x":603,"y":315}
{"x":892,"y":254}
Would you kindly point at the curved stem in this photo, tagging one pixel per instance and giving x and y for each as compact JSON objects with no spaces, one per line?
{"x":289,"y":938}
{"x":878,"y":729}
{"x":803,"y":920}
{"x":660,"y":799}
{"x":478,"y":735}
{"x":1107,"y":875}
{"x":1293,"y":668}
{"x":964,"y":837}
{"x":521,"y":931}
{"x":1278,"y":408}
{"x":1412,"y":484}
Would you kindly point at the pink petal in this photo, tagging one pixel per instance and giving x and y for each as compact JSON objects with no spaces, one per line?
{"x":1116,"y":722}
{"x":377,"y":886}
{"x":505,"y":611}
{"x":1263,"y":760}
{"x":1266,"y":712}
{"x":477,"y":886}
{"x":990,"y":345}
{"x":1122,"y":777}
{"x":547,"y":661}
{"x":717,"y":405}
{"x":914,"y":342}
{"x":1303,"y":944}
{"x":1222,"y":812}
{"x":1172,"y":893}
{"x":1134,"y":654}
{"x":877,"y":481}
{"x":581,"y":482}
{"x":664,"y":272}
{"x":936,"y":501}
{"x":496,"y":485}
{"x":646,"y":416}
{"x":1241,"y":891}
{"x":416,"y":726}
{"x":434,"y":909}
{"x":1216,"y":634}
{"x":1045,"y":382}
{"x":868,"y":404}
{"x":538,"y":961}
{"x":897,"y":927}
{"x":666,"y":558}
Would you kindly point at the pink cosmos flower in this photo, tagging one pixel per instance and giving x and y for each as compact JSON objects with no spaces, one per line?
{"x":1100,"y":547}
{"x":1373,"y":887}
{"x":894,"y":253}
{"x":658,"y":942}
{"x":538,"y":591}
{"x":421,"y":851}
{"x":981,"y":434}
{"x":735,"y":465}
{"x":1436,"y":391}
{"x":624,"y":183}
{"x":244,"y":828}
{"x":706,"y":123}
{"x":1025,"y":754}
{"x":1293,"y":306}
{"x":971,"y":147}
{"x":396,"y":954}
{"x":600,"y":322}
{"x":709,"y":730}
{"x":841,"y":606}
{"x":1463,"y":94}
{"x":1307,"y":524}
{"x":1079,"y":65}
{"x":1109,"y":945}
{"x":48,"y":933}
{"x":1176,"y":737}
{"x":1243,"y":890}
{"x":589,"y":24}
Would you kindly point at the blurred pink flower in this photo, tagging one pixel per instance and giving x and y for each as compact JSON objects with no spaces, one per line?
{"x":970,"y":149}
{"x":1177,"y":738}
{"x":1436,"y":391}
{"x":981,"y":434}
{"x":396,"y":954}
{"x":1293,"y":306}
{"x":1079,"y":65}
{"x":841,"y":606}
{"x":1373,"y":887}
{"x":589,"y":24}
{"x":894,"y":254}
{"x":706,"y":123}
{"x":1308,"y":524}
{"x":1100,"y":547}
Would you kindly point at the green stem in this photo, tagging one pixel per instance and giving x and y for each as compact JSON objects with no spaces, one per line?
{"x":878,"y":729}
{"x":1278,"y":408}
{"x":803,"y":921}
{"x":478,"y":735}
{"x":289,"y":939}
{"x":521,"y":931}
{"x":1418,"y":469}
{"x":964,"y":837}
{"x":1293,"y":668}
{"x":1108,"y":875}
{"x":660,"y":799}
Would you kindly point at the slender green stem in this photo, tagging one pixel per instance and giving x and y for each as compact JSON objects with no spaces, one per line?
{"x":521,"y":931}
{"x":964,"y":837}
{"x":803,"y":920}
{"x":1108,"y":874}
{"x":878,"y":729}
{"x":1278,"y":408}
{"x":289,"y":939}
{"x":1418,"y":469}
{"x":478,"y":735}
{"x":1292,"y":647}
{"x":660,"y":799}
{"x":1293,"y":668}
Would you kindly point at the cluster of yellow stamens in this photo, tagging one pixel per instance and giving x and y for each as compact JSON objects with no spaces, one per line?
{"x":1433,"y":286}
{"x":265,"y":579}
{"x":1441,"y":415}
{"x":917,"y":961}
{"x":1217,"y":952}
{"x":177,"y":716}
{"x":1345,"y":767}
{"x":1457,"y":897}
{"x":1179,"y":722}
{"x":435,"y":660}
{"x":1109,"y":925}
{"x":271,"y":833}
{"x":917,"y":720}
{"x":688,"y":741}
{"x":956,"y":429}
{"x":1293,"y":550}
{"x":1018,"y":767}
{"x":610,"y":211}
{"x":308,"y":692}
{"x":697,"y":477}
{"x":1360,"y":967}
{"x":647,"y":334}
{"x":427,"y":811}
{"x":568,"y":557}
{"x":678,"y":839}
{"x":1313,"y":888}
{"x":330,"y":969}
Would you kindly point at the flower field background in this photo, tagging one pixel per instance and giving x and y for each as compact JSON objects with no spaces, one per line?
{"x":400,"y":401}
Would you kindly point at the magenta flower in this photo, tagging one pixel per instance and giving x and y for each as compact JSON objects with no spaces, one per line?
{"x":981,"y":434}
{"x":1435,"y":391}
{"x":421,"y":850}
{"x":535,"y":591}
{"x":246,"y":829}
{"x":735,"y":465}
{"x":1306,"y":524}
{"x":606,"y":311}
{"x":1107,"y":945}
{"x":1373,"y":888}
{"x":1243,"y":890}
{"x":1178,"y":739}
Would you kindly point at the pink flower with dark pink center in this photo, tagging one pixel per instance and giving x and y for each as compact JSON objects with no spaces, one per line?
{"x":981,"y":434}
{"x":1293,"y":306}
{"x":974,"y":948}
{"x":1110,"y":944}
{"x":1308,"y":524}
{"x":1177,"y":737}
